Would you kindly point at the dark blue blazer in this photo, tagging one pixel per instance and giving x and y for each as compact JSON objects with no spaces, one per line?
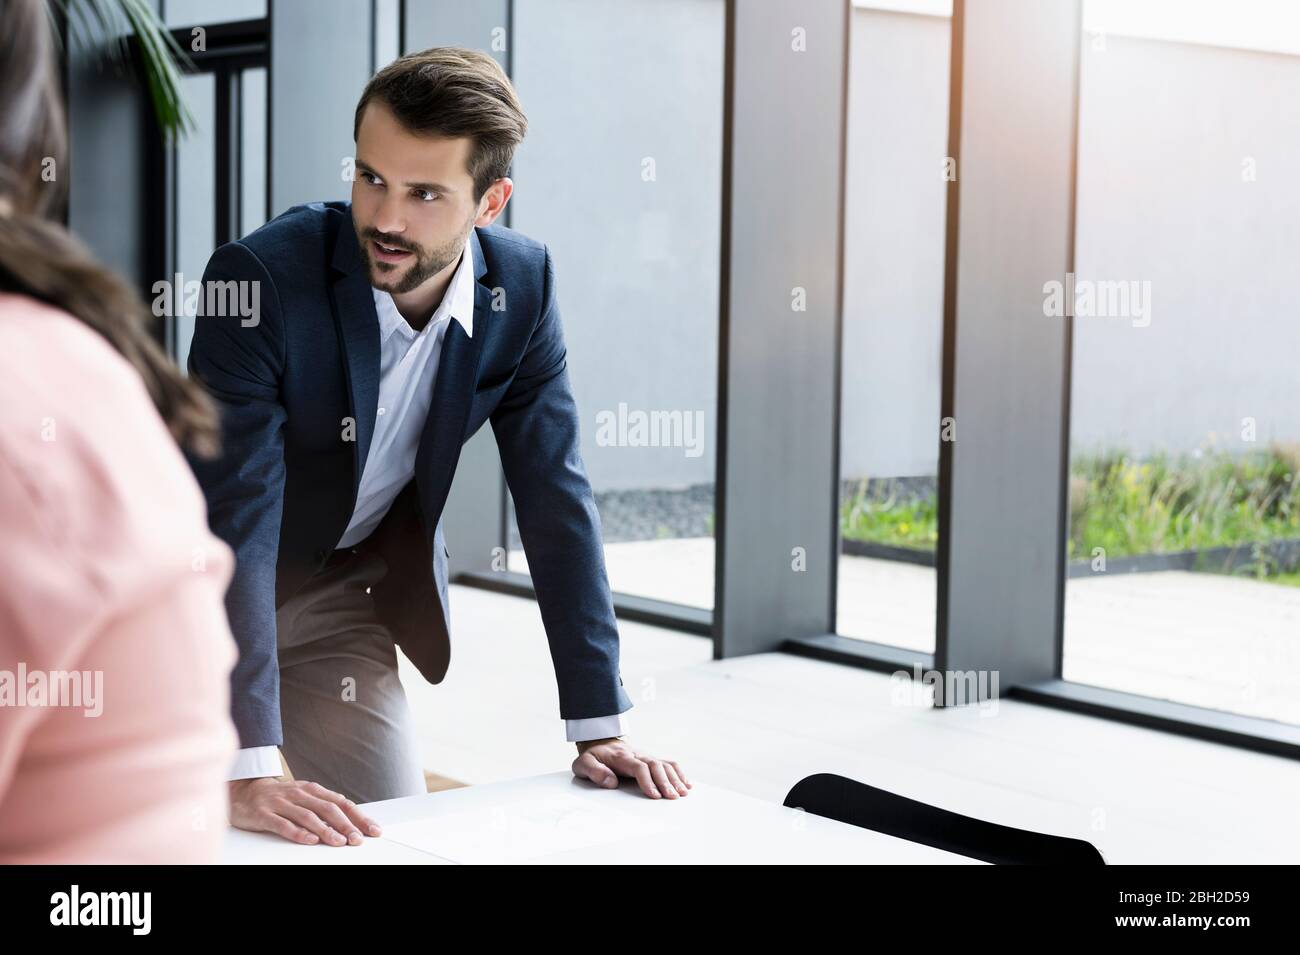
{"x":283,"y":490}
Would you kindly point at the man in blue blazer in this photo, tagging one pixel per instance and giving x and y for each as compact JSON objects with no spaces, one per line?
{"x":388,"y":330}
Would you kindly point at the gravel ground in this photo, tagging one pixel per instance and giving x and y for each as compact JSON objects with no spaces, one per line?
{"x":649,"y":514}
{"x":657,"y":513}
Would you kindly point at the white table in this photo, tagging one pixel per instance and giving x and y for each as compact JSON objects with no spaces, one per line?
{"x":558,"y":818}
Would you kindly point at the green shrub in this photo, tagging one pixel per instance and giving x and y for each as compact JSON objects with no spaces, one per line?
{"x":1128,"y":506}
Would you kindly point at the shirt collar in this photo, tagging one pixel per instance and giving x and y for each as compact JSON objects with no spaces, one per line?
{"x":457,"y":302}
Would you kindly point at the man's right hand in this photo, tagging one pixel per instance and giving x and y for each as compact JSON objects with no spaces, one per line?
{"x":302,"y":812}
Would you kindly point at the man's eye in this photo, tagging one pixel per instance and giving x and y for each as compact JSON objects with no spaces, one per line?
{"x":371,"y":178}
{"x":425,"y":195}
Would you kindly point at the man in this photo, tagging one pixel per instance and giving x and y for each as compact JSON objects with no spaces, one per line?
{"x":389,"y":330}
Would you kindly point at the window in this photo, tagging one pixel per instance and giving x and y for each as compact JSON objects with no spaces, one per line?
{"x":1184,"y":579}
{"x":626,"y":123}
{"x":895,"y":188}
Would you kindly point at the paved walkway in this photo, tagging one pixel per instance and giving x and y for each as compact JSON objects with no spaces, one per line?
{"x":1221,"y":642}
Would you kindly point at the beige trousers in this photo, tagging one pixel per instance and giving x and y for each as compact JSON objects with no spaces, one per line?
{"x":346,"y":721}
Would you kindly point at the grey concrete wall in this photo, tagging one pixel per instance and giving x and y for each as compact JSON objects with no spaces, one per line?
{"x":1164,"y":131}
{"x":894,"y":241}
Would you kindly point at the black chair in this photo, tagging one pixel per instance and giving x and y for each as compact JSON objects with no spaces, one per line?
{"x":847,"y":800}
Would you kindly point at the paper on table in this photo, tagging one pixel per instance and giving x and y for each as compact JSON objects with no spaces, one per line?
{"x":520,"y":830}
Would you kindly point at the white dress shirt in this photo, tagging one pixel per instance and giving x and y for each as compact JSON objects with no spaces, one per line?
{"x":408,"y":364}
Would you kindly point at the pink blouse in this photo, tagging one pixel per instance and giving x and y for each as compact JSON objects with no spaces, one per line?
{"x":115,"y":653}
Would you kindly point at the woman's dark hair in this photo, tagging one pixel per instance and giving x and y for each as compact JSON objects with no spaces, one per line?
{"x":41,"y":259}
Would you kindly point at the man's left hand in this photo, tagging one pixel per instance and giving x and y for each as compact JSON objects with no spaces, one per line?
{"x":603,"y":761}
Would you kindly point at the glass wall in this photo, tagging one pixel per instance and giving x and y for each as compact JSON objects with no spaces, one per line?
{"x":196,"y":201}
{"x":895,"y":193}
{"x":188,"y":13}
{"x":252,"y":149}
{"x":1185,"y":443}
{"x":620,"y":175}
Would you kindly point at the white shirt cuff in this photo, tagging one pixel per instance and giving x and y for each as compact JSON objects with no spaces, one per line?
{"x":256,"y":761}
{"x":595,"y":727}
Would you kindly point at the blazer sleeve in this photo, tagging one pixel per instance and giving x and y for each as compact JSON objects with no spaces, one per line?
{"x":241,"y":362}
{"x":537,"y":434}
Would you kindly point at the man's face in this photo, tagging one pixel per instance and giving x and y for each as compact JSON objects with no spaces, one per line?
{"x":412,"y":201}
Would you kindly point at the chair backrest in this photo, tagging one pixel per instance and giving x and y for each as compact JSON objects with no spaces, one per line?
{"x":847,"y":800}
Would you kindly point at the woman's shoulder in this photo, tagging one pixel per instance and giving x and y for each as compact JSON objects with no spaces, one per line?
{"x":53,"y":344}
{"x":103,"y":504}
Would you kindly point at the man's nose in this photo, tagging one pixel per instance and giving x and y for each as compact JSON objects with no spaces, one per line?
{"x":389,"y":218}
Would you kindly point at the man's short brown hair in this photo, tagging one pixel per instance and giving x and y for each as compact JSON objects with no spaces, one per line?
{"x":451,"y":91}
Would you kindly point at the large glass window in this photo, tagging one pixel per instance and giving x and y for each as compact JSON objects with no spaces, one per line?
{"x":188,"y":13}
{"x":620,"y":175}
{"x":1185,"y":443}
{"x":195,"y":210}
{"x":219,"y":166}
{"x":895,"y":195}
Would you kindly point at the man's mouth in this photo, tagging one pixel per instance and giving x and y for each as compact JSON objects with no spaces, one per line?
{"x":388,"y":253}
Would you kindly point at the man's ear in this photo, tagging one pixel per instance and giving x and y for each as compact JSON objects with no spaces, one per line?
{"x":494,"y":201}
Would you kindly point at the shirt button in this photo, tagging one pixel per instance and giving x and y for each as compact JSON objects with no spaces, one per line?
{"x":381,"y":410}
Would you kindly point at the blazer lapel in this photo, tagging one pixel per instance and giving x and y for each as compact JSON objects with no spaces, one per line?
{"x":453,"y":391}
{"x":358,"y":326}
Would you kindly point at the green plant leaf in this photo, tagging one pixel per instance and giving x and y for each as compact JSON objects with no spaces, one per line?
{"x":104,"y":25}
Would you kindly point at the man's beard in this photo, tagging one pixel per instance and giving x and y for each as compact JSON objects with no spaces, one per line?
{"x":427,"y":262}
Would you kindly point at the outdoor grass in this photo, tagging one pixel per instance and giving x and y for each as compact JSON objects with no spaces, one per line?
{"x":1126,"y":506}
